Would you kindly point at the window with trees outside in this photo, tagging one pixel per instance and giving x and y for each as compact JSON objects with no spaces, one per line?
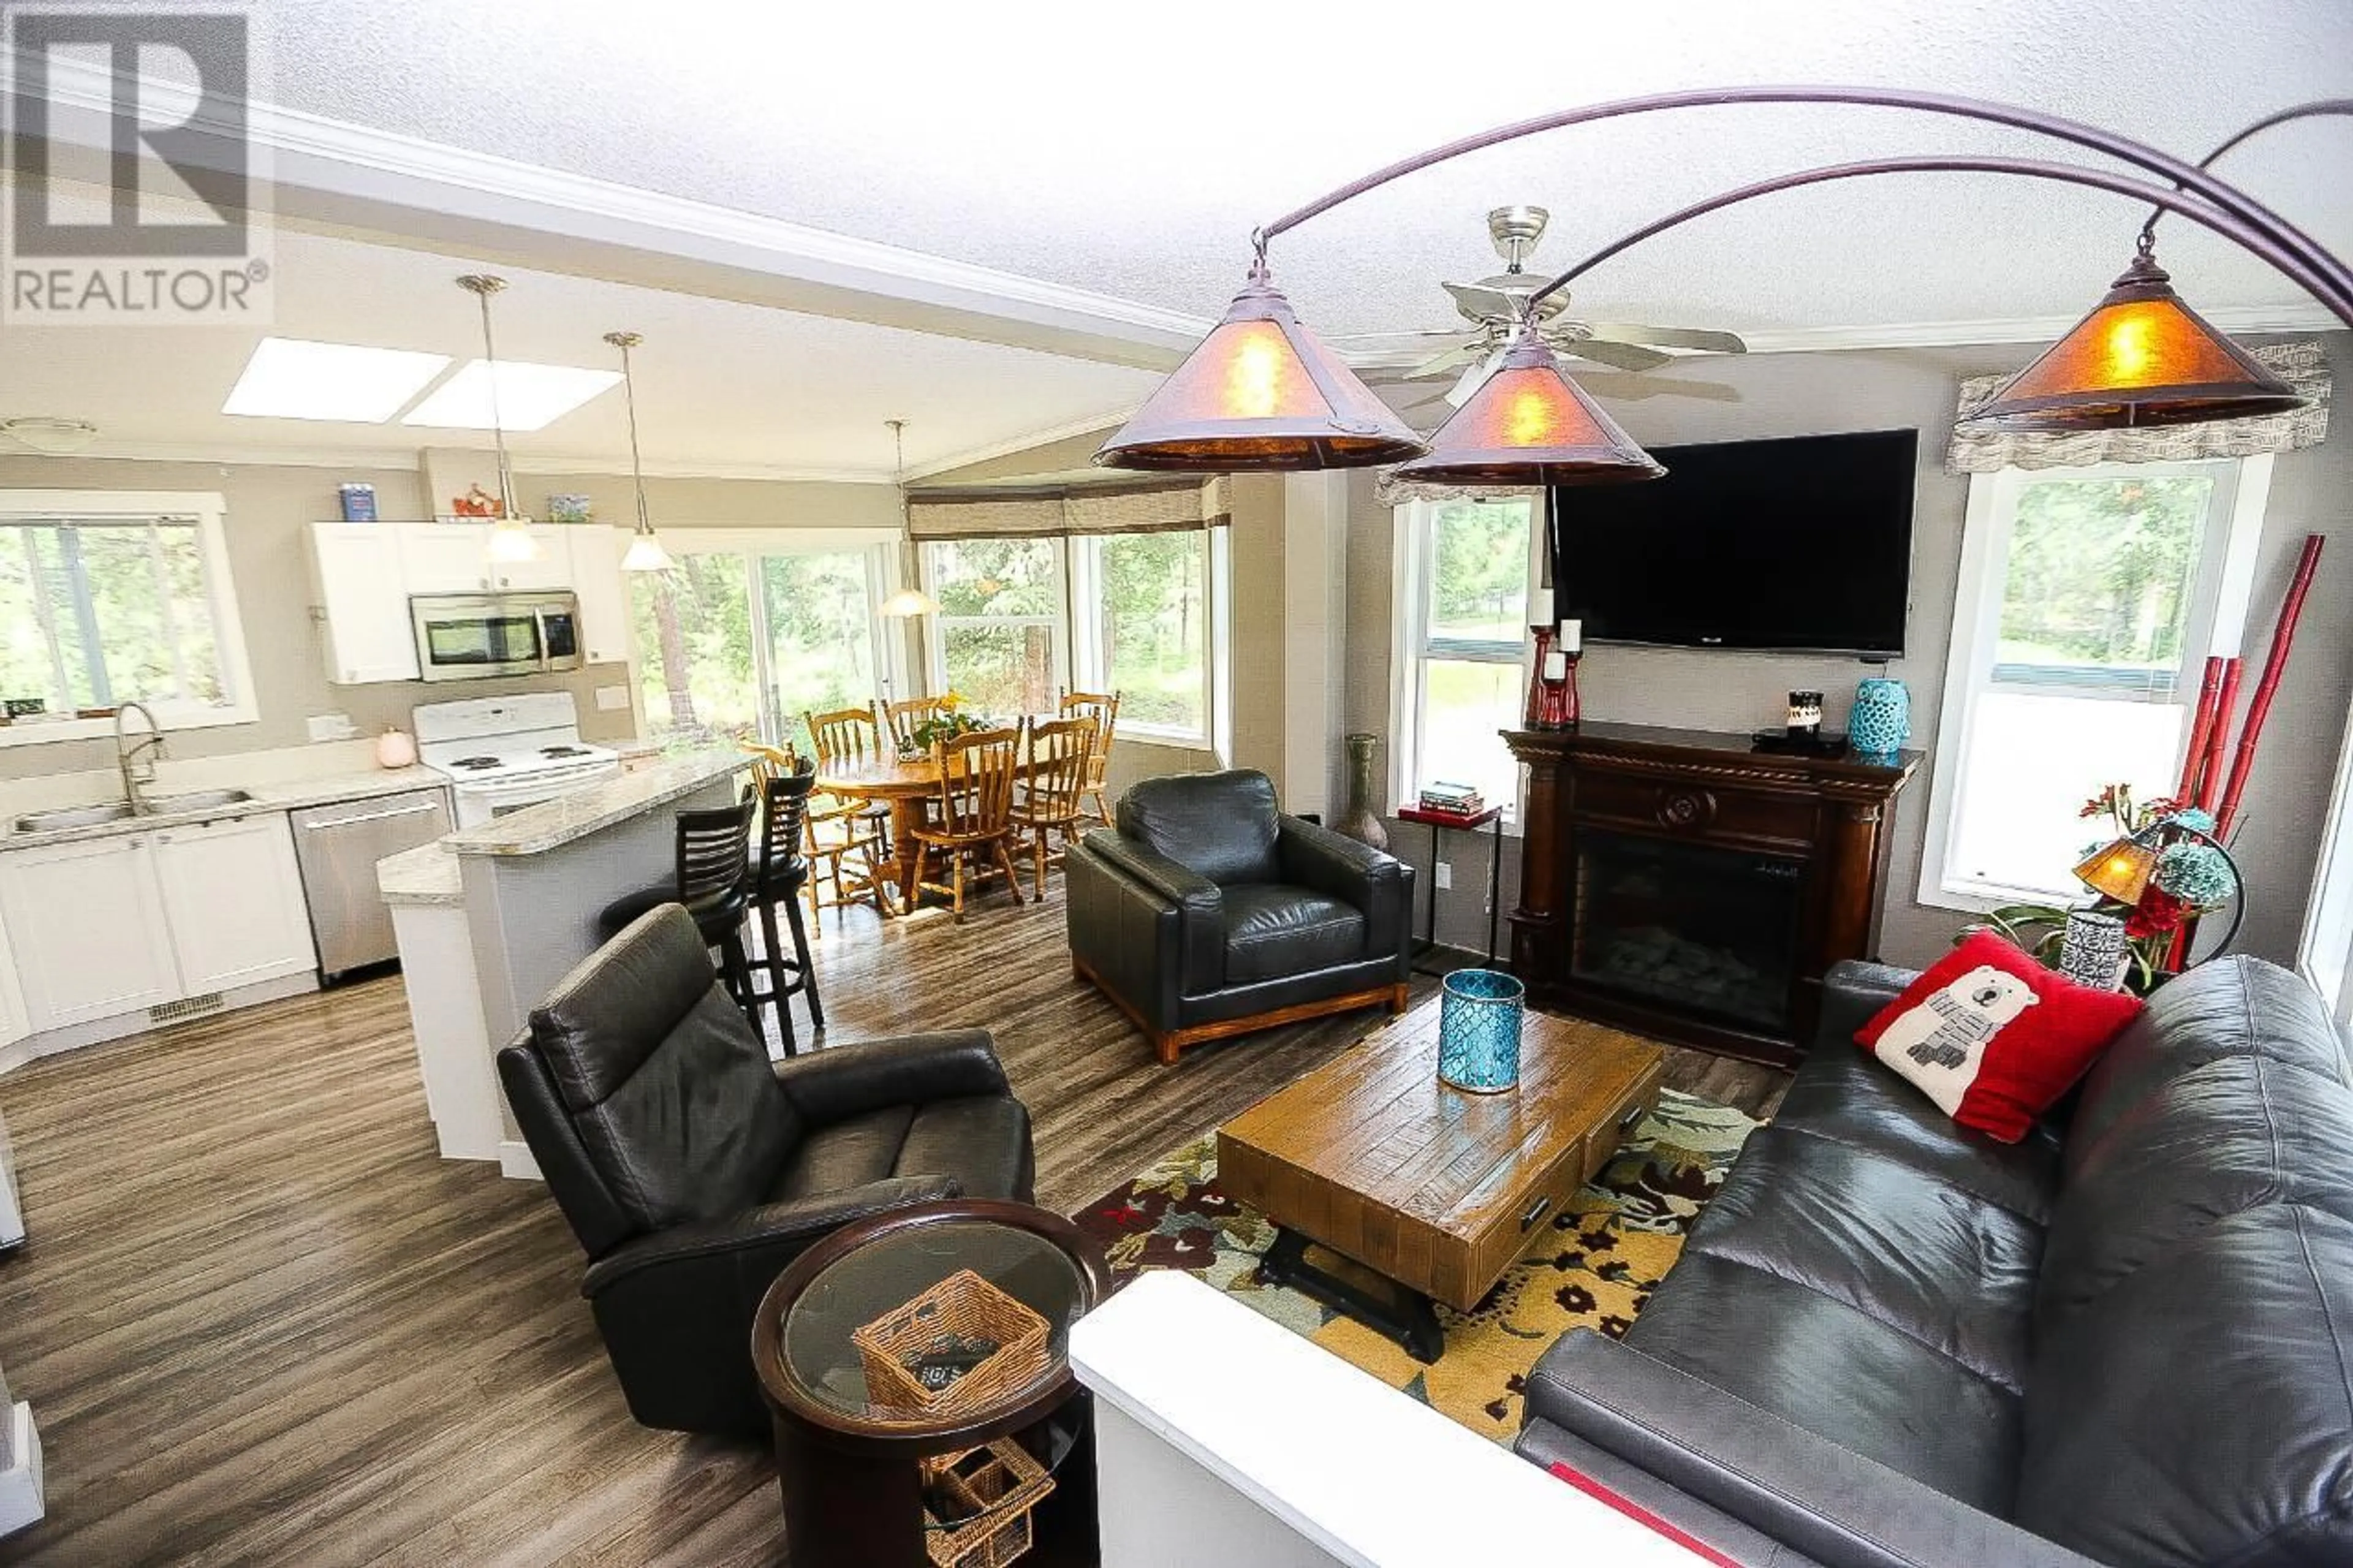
{"x":741,"y":639}
{"x":2089,"y":600}
{"x":1465,"y":568}
{"x":104,"y":608}
{"x":1023,"y":619}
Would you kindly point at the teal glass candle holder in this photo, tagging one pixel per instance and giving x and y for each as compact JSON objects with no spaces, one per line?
{"x":1479,"y":1014}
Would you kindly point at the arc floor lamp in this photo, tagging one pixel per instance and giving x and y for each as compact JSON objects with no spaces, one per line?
{"x":1261,"y":393}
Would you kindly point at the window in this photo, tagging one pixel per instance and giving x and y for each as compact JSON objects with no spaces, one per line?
{"x":1147,"y":638}
{"x":114,"y":598}
{"x":1022,"y":620}
{"x":750,"y":632}
{"x":1464,"y":571}
{"x":2089,"y":600}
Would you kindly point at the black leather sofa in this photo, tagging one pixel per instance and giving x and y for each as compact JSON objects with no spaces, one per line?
{"x":693,"y":1171}
{"x":1206,"y":912}
{"x":2127,"y":1340}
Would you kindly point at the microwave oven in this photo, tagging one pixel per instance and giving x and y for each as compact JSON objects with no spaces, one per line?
{"x":469,"y":636}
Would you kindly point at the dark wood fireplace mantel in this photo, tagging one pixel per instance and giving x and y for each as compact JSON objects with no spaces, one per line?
{"x":1677,"y":883}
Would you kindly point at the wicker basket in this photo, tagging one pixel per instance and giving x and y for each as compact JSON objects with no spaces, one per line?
{"x":1000,"y":1483}
{"x":963,"y":1304}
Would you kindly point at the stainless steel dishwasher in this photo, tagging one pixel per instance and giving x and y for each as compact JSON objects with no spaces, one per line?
{"x":338,"y":847}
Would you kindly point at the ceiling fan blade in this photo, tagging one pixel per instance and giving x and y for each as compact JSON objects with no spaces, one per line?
{"x":1445,"y":360}
{"x":1623,"y":356}
{"x":1670,"y":337}
{"x":1480,"y":303}
{"x":1473,"y":379}
{"x":1432,"y":333}
{"x":1634,"y":388}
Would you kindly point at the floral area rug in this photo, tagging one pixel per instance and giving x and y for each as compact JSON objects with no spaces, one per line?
{"x":1593,"y":1268}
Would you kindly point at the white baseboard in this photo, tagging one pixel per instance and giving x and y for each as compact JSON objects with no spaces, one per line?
{"x":515,"y":1160}
{"x":20,"y":1484}
{"x":97,"y":1031}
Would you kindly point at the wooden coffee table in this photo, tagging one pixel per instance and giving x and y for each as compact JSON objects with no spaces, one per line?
{"x":1433,"y":1190}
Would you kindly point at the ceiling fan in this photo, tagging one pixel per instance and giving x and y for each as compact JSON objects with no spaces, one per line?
{"x":1493,"y":306}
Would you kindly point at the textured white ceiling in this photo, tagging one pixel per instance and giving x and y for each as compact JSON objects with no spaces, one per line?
{"x":1131,"y":149}
{"x":719,"y":385}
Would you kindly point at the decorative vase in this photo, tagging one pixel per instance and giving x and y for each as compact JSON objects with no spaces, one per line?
{"x":1882,"y":719}
{"x":1479,"y":1017}
{"x":393,"y":748}
{"x":1360,"y":820}
{"x":2092,"y":952}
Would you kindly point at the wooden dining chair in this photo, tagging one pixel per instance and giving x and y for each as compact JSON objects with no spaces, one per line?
{"x":848,"y":840}
{"x":1054,"y":783}
{"x":1103,"y":709}
{"x":974,"y":813}
{"x":901,"y":719}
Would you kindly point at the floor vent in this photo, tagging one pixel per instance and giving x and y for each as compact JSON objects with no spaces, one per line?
{"x":185,"y":1007}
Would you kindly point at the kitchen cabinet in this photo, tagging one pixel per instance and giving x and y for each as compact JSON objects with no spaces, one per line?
{"x":604,"y":596}
{"x":364,"y":604}
{"x":444,"y":557}
{"x":232,"y":900}
{"x":86,"y":928}
{"x":14,"y":1027}
{"x":552,"y":570}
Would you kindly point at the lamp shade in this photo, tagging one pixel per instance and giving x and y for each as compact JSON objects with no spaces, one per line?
{"x":1529,"y":425}
{"x":645,"y":553}
{"x":2120,"y":871}
{"x":910,"y":602}
{"x":2141,"y":357}
{"x":1259,"y":393}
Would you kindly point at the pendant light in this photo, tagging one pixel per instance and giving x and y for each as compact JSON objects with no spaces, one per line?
{"x":645,"y":553}
{"x":1259,"y":393}
{"x":906,"y":602}
{"x":1529,"y":424}
{"x":511,"y":539}
{"x":2141,"y":357}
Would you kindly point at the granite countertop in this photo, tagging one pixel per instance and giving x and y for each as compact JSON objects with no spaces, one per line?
{"x":536,"y":829}
{"x":281,"y":795}
{"x":426,"y":874}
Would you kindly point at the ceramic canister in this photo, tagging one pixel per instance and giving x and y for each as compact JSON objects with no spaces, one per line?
{"x":1882,"y":719}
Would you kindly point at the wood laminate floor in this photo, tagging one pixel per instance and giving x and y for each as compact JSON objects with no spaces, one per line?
{"x":261,"y":1322}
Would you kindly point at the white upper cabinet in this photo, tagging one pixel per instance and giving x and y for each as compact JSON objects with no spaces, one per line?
{"x":232,"y":898}
{"x":603,"y":596}
{"x":366,"y":572}
{"x":444,"y":557}
{"x":549,"y":571}
{"x":86,"y":929}
{"x":365,"y":629}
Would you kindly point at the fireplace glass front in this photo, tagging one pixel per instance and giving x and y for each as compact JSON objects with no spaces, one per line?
{"x":1699,"y":928}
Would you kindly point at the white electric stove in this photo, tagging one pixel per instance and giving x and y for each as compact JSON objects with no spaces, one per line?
{"x":502,"y":753}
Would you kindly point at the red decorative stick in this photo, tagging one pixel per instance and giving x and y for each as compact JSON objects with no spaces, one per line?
{"x":2201,"y":727}
{"x":2209,"y":772}
{"x":2259,"y":708}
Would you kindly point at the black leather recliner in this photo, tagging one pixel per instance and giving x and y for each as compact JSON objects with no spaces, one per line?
{"x":693,"y":1170}
{"x":1206,"y":913}
{"x":1891,"y":1342}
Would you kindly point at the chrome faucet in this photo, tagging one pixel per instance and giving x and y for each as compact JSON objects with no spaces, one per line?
{"x":137,"y":762}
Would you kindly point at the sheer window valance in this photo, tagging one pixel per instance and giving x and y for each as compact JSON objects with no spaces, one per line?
{"x":1066,"y":510}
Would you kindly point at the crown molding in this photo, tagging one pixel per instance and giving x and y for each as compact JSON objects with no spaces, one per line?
{"x":1051,"y":434}
{"x":418,"y":193}
{"x":404,"y":460}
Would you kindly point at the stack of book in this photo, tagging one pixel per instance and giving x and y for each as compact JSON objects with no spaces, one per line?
{"x":1452,"y":799}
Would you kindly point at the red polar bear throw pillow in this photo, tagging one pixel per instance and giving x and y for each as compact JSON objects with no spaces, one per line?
{"x":1993,"y":1037}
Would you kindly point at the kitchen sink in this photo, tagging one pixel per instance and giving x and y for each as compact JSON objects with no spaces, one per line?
{"x":197,"y":800}
{"x":72,"y":816}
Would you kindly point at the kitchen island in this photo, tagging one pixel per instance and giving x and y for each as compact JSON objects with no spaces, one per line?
{"x":490,"y":918}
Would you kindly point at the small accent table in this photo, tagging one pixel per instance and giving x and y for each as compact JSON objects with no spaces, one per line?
{"x":850,"y":1468}
{"x":1439,"y":822}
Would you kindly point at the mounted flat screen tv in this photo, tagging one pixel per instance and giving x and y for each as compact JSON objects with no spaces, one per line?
{"x":1801,"y":545}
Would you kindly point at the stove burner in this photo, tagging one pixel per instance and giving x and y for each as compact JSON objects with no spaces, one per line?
{"x":563,"y":751}
{"x":475,"y":762}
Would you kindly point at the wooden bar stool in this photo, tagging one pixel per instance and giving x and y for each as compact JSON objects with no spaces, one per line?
{"x":715,"y":883}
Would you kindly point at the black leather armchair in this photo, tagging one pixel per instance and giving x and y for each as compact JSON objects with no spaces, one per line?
{"x":1206,"y":913}
{"x":693,"y":1170}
